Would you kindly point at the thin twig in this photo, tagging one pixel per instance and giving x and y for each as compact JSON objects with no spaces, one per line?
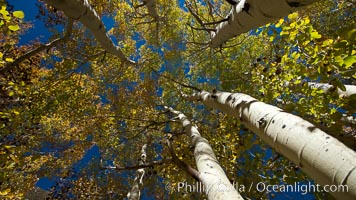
{"x":179,"y":83}
{"x":135,"y":167}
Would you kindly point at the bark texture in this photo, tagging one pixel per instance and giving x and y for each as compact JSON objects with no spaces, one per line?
{"x":135,"y":192}
{"x":327,"y":88}
{"x":82,"y":11}
{"x":216,"y":184}
{"x":322,"y":157}
{"x":251,"y":14}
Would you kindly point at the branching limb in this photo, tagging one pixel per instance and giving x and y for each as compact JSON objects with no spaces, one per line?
{"x":202,"y":29}
{"x":177,"y":82}
{"x":216,"y":22}
{"x":187,"y":168}
{"x":196,"y":16}
{"x":39,"y":49}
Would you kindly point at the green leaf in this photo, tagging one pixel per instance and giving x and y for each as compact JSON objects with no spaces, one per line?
{"x":333,"y":110}
{"x":341,"y":44}
{"x":351,"y":34}
{"x":340,"y":85}
{"x":302,"y":100}
{"x":349,"y":60}
{"x":19,"y":14}
{"x":315,"y":35}
{"x":339,"y":60}
{"x":14,"y":27}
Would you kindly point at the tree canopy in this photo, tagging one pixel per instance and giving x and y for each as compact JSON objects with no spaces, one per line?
{"x":108,"y":103}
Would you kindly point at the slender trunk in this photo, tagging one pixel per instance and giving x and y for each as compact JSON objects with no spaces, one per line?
{"x":216,"y":184}
{"x":82,"y":11}
{"x":135,"y":192}
{"x":336,"y":130}
{"x":327,"y":88}
{"x":322,"y":157}
{"x":251,"y":14}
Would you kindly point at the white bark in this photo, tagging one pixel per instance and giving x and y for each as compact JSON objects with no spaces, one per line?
{"x":216,"y":185}
{"x":322,"y":157}
{"x":251,"y":14}
{"x":327,"y":88}
{"x":348,"y":119}
{"x":82,"y":11}
{"x":135,"y":192}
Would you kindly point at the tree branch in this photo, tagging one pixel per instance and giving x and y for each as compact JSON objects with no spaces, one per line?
{"x":179,"y":83}
{"x":139,"y":166}
{"x":42,"y":47}
{"x":187,"y":168}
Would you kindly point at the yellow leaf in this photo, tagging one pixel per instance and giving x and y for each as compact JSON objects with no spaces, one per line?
{"x":9,"y":60}
{"x":11,"y":166}
{"x":293,"y":16}
{"x":307,"y":20}
{"x":14,"y":27}
{"x":280,"y":22}
{"x":19,"y":14}
{"x":315,"y":35}
{"x":111,"y":31}
{"x":5,"y":192}
{"x":9,"y":146}
{"x":3,"y":11}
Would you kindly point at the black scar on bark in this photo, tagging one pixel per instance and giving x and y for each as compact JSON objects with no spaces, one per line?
{"x":229,"y":98}
{"x":294,"y":4}
{"x":246,"y":7}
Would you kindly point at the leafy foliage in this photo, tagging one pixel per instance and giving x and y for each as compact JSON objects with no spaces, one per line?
{"x":77,"y":116}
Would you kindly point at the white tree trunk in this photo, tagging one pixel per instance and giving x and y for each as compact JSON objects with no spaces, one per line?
{"x":322,"y":157}
{"x":82,"y":11}
{"x":135,"y":192}
{"x":251,"y":14}
{"x":348,"y":119}
{"x":216,"y":185}
{"x":327,"y":88}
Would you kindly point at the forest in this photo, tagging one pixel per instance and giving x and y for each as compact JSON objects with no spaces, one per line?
{"x":185,"y":99}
